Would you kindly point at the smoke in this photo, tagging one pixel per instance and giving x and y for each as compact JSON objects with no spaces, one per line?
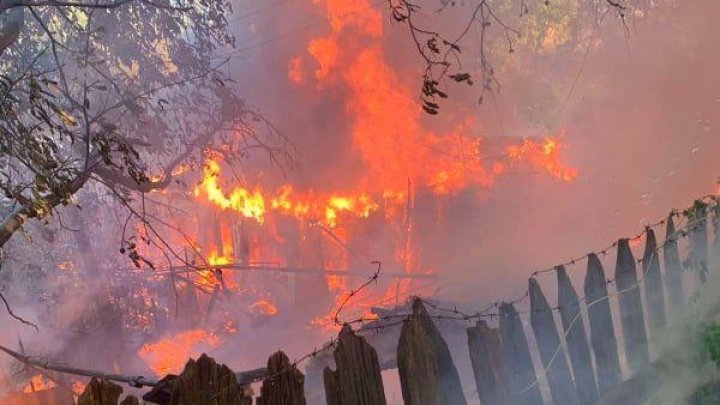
{"x":636,"y":103}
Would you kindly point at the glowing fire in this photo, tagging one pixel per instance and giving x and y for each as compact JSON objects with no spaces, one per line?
{"x":399,"y":158}
{"x":170,"y":354}
{"x":264,"y":307}
{"x":543,"y":155}
{"x":77,"y":387}
{"x":399,"y":155}
{"x":38,"y":383}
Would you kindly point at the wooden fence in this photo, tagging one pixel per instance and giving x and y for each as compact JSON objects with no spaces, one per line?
{"x":584,"y":345}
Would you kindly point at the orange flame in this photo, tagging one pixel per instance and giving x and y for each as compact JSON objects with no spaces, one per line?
{"x":398,"y":153}
{"x":543,"y":155}
{"x":37,"y":383}
{"x":264,"y":307}
{"x":169,"y":355}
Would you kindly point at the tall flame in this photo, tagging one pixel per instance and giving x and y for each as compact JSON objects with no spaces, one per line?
{"x":399,"y":155}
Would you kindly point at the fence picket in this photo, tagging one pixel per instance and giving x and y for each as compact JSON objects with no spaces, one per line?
{"x":577,"y":342}
{"x":491,"y":378}
{"x":517,"y":357}
{"x":286,"y":386}
{"x":654,"y":292}
{"x":546,"y":335}
{"x":602,"y":331}
{"x":427,"y":373}
{"x":632,"y":319}
{"x":357,"y":379}
{"x":673,"y":269}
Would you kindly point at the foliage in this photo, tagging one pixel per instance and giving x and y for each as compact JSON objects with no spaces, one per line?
{"x":711,"y":340}
{"x":506,"y":33}
{"x":110,"y":100}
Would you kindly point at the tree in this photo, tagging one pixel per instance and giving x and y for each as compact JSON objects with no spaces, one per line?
{"x":442,"y":51}
{"x":116,"y":95}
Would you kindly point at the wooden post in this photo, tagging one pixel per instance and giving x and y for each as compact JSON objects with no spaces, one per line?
{"x":697,"y":222}
{"x":357,"y":379}
{"x":574,"y":329}
{"x":285,"y":385}
{"x":631,"y":311}
{"x":716,"y":239}
{"x":202,"y":382}
{"x":654,"y":293}
{"x":100,"y":392}
{"x":602,"y":331}
{"x":551,"y":351}
{"x":427,"y":373}
{"x":523,"y":381}
{"x":418,"y":367}
{"x":673,"y":269}
{"x":130,"y":400}
{"x":314,"y":378}
{"x":491,"y":378}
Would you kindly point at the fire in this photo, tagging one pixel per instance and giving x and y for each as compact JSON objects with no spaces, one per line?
{"x":264,"y":307}
{"x":399,"y":155}
{"x":78,"y":387}
{"x":66,"y":266}
{"x":256,"y":204}
{"x":169,"y":355}
{"x":38,"y":383}
{"x":249,"y":203}
{"x":543,"y":155}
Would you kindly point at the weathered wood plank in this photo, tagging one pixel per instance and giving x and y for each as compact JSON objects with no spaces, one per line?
{"x":427,"y":372}
{"x":551,"y":352}
{"x":697,"y":223}
{"x":523,"y":385}
{"x":100,"y":392}
{"x":673,"y":269}
{"x":491,"y":378}
{"x":418,"y":367}
{"x":602,"y":331}
{"x":357,"y":379}
{"x":574,"y":329}
{"x":654,"y":291}
{"x":716,"y":239}
{"x":632,"y":319}
{"x":130,"y":400}
{"x":285,"y":386}
{"x":202,"y":382}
